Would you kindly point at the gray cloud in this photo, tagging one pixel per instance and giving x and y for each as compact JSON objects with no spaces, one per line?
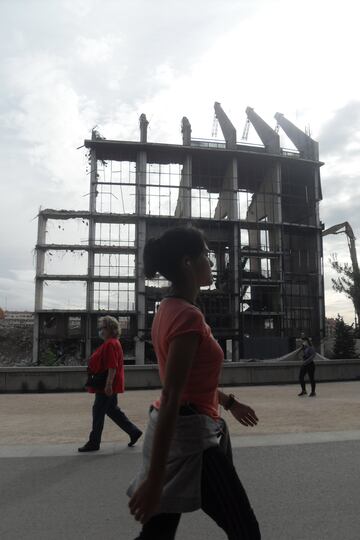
{"x":341,"y":130}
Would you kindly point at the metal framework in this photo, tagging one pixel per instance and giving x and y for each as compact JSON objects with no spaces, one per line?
{"x":258,"y":206}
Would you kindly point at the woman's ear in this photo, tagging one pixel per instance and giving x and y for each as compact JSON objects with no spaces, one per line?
{"x":186,"y":262}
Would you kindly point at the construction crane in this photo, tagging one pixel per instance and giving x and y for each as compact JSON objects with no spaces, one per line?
{"x":345,"y":228}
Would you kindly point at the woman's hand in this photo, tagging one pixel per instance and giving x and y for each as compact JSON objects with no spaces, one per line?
{"x":109,"y":382}
{"x":108,"y":390}
{"x":145,"y":501}
{"x":244,"y":414}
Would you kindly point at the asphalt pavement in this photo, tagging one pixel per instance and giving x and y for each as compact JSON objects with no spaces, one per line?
{"x":300,"y":489}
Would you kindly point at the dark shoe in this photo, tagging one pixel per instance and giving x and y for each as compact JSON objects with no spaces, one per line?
{"x":303,"y":393}
{"x":134,"y":439}
{"x":313,"y":394}
{"x":88,"y":447}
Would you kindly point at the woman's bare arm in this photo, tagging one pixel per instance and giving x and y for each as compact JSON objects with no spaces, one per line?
{"x":243,"y":413}
{"x":223,"y":398}
{"x":182,"y":351}
{"x":181,"y":354}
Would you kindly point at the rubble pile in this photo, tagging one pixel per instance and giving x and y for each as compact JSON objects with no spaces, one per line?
{"x":15,"y":345}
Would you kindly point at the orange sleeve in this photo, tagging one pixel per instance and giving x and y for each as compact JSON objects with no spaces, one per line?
{"x":189,"y":320}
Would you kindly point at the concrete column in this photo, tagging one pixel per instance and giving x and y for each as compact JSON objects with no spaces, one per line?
{"x":277,"y":240}
{"x":39,"y":284}
{"x":236,"y":293}
{"x":183,"y":207}
{"x":232,"y":185}
{"x":277,"y":193}
{"x":186,"y":131}
{"x":140,"y":292}
{"x":233,"y":214}
{"x":40,"y":261}
{"x":143,"y":128}
{"x":91,"y":255}
{"x":141,"y":162}
{"x":274,"y":212}
{"x":140,"y":243}
{"x":227,"y":204}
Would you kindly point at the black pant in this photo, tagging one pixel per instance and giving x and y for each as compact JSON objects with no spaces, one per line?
{"x":223,"y":499}
{"x":108,"y":405}
{"x":310,"y":370}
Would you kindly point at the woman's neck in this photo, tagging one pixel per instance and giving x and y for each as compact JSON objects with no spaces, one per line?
{"x":189,"y":293}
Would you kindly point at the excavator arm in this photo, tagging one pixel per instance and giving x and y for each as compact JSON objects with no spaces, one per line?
{"x":346,"y":228}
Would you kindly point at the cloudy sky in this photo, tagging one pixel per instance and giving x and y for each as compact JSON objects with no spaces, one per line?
{"x":69,"y":65}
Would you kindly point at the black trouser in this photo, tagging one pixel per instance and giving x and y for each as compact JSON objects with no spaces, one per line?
{"x":223,"y":499}
{"x":108,"y":405}
{"x":310,"y":370}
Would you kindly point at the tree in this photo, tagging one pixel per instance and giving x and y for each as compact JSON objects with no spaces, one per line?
{"x":344,"y":346}
{"x":347,"y":282}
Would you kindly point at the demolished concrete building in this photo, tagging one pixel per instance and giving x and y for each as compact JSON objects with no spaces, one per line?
{"x":258,"y":206}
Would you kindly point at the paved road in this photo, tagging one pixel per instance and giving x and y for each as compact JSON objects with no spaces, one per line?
{"x":299,"y":492}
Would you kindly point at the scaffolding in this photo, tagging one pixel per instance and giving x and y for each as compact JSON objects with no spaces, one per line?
{"x":258,"y":206}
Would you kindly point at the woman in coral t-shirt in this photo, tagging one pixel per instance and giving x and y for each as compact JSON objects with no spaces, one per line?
{"x":187,"y":461}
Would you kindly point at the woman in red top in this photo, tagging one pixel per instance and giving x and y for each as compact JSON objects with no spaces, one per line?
{"x":108,"y":357}
{"x":187,"y":462}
